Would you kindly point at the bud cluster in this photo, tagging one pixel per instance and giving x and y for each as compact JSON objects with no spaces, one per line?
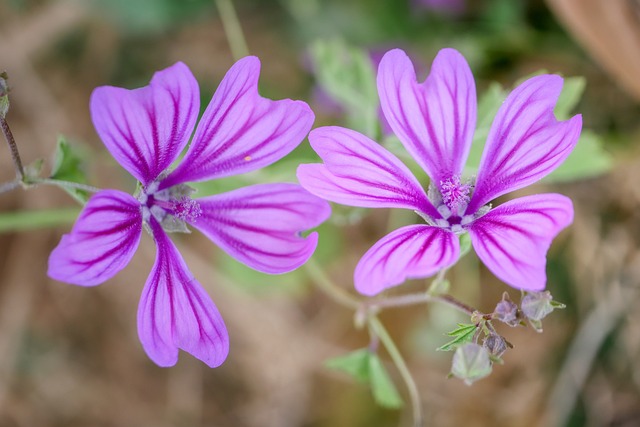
{"x":478,"y":345}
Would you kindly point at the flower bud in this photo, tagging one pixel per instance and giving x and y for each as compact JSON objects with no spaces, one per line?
{"x":537,"y":305}
{"x":495,"y":344}
{"x":470,"y":363}
{"x":506,"y":311}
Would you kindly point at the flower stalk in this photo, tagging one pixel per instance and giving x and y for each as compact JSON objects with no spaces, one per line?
{"x":13,"y":148}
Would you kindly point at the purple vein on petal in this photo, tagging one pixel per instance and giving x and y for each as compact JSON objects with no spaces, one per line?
{"x":261,"y":225}
{"x":176,"y":313}
{"x":525,"y":142}
{"x":146,"y":128}
{"x":512,"y":240}
{"x":241,"y":131}
{"x":359,"y":172}
{"x":413,"y":251}
{"x":101,"y":243}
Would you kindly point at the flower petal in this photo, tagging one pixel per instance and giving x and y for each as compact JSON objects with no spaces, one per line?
{"x":525,"y":142}
{"x":435,"y":120}
{"x":145,"y":129}
{"x":102,"y":241}
{"x":176,"y":313}
{"x":359,"y":172}
{"x":409,"y":252}
{"x":260,"y":225}
{"x":513,"y":239}
{"x":241,"y":131}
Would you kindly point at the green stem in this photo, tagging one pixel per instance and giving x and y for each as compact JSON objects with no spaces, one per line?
{"x":29,"y":220}
{"x":398,"y":360}
{"x":65,"y":184}
{"x":323,"y":281}
{"x":232,"y":29}
{"x":420,"y":298}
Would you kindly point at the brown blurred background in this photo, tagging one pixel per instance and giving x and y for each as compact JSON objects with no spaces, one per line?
{"x":70,"y":356}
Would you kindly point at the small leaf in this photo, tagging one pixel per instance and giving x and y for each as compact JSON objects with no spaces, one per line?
{"x":32,"y":171}
{"x":465,"y":244}
{"x":462,"y":335}
{"x":588,"y":159}
{"x":355,"y":364}
{"x":471,"y":362}
{"x":4,"y":95}
{"x":67,"y":166}
{"x":384,"y":391}
{"x":536,"y":325}
{"x":346,"y":74}
{"x":571,"y":94}
{"x":439,"y":287}
{"x":489,"y":103}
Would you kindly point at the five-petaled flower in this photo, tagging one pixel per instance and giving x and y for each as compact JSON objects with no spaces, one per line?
{"x":435,"y":122}
{"x":145,"y":130}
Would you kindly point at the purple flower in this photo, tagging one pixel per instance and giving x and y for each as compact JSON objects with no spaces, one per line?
{"x":435,"y":121}
{"x":145,"y":130}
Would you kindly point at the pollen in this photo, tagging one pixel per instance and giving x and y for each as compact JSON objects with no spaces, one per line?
{"x":186,"y":209}
{"x":247,"y":158}
{"x":455,"y":194}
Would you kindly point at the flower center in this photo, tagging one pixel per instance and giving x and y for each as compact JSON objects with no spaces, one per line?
{"x":172,"y":207}
{"x":451,"y":198}
{"x":186,"y":209}
{"x":455,"y":194}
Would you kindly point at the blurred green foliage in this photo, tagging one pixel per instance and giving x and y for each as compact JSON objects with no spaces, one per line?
{"x":153,"y":16}
{"x":366,"y":367}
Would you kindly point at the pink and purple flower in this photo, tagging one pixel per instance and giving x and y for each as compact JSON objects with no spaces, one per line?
{"x":146,"y":130}
{"x":435,"y":121}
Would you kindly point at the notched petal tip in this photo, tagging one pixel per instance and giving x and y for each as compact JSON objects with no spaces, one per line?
{"x":526,"y":142}
{"x":176,"y":313}
{"x":241,"y":131}
{"x":434,"y":119}
{"x":146,"y":128}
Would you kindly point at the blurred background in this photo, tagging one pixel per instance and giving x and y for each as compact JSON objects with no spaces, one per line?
{"x":70,"y":356}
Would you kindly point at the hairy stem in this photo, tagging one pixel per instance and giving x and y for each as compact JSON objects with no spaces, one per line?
{"x":8,"y":186}
{"x":381,"y":332}
{"x":65,"y":184}
{"x":232,"y":29}
{"x":420,"y":298}
{"x":13,"y":147}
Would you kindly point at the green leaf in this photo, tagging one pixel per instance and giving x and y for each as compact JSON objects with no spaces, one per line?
{"x":571,"y":94}
{"x":366,"y":367}
{"x":488,"y":105}
{"x":355,"y":364}
{"x":465,"y":244}
{"x":67,"y":166}
{"x":587,"y":160}
{"x":346,"y":73}
{"x":384,"y":391}
{"x":32,"y":170}
{"x":461,"y":335}
{"x":4,"y":95}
